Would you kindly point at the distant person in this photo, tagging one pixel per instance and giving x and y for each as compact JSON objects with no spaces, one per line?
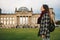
{"x":44,"y":20}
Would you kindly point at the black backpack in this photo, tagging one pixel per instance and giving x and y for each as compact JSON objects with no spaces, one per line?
{"x":51,"y":27}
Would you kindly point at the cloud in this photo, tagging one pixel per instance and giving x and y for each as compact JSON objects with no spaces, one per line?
{"x":9,"y":5}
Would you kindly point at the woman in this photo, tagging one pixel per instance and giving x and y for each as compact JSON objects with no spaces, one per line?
{"x":45,"y":20}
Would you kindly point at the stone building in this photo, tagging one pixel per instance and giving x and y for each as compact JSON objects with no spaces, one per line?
{"x":23,"y":17}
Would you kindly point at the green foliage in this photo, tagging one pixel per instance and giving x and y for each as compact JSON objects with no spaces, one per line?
{"x":58,"y":22}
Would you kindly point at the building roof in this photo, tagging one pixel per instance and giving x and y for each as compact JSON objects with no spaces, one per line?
{"x":23,"y":9}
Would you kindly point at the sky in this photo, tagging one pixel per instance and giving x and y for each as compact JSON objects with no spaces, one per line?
{"x":8,"y":6}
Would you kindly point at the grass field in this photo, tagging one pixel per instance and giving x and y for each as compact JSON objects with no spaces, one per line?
{"x":25,"y":34}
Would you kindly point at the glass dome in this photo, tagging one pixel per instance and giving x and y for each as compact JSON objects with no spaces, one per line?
{"x":23,"y":9}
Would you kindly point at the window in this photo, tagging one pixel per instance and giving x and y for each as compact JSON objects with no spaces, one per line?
{"x":7,"y":18}
{"x":4,"y":18}
{"x":13,"y":18}
{"x":13,"y":22}
{"x":4,"y":22}
{"x":10,"y":22}
{"x":10,"y":18}
{"x":1,"y":21}
{"x":1,"y":18}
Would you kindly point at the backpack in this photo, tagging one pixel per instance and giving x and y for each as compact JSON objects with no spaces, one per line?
{"x":51,"y":27}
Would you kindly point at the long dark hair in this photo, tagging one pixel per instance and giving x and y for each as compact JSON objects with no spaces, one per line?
{"x":46,"y":8}
{"x":45,"y":11}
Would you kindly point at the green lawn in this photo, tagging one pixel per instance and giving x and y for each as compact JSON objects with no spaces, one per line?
{"x":25,"y":34}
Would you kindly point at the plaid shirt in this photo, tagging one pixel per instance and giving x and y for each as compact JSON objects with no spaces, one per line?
{"x":44,"y":24}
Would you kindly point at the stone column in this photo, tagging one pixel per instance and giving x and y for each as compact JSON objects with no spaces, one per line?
{"x":6,"y":20}
{"x":22,"y":20}
{"x":29,"y":20}
{"x":12,"y":20}
{"x":25,"y":20}
{"x":9,"y":20}
{"x":3,"y":22}
{"x":18,"y":20}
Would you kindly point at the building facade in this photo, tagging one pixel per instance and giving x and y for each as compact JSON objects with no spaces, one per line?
{"x":23,"y":17}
